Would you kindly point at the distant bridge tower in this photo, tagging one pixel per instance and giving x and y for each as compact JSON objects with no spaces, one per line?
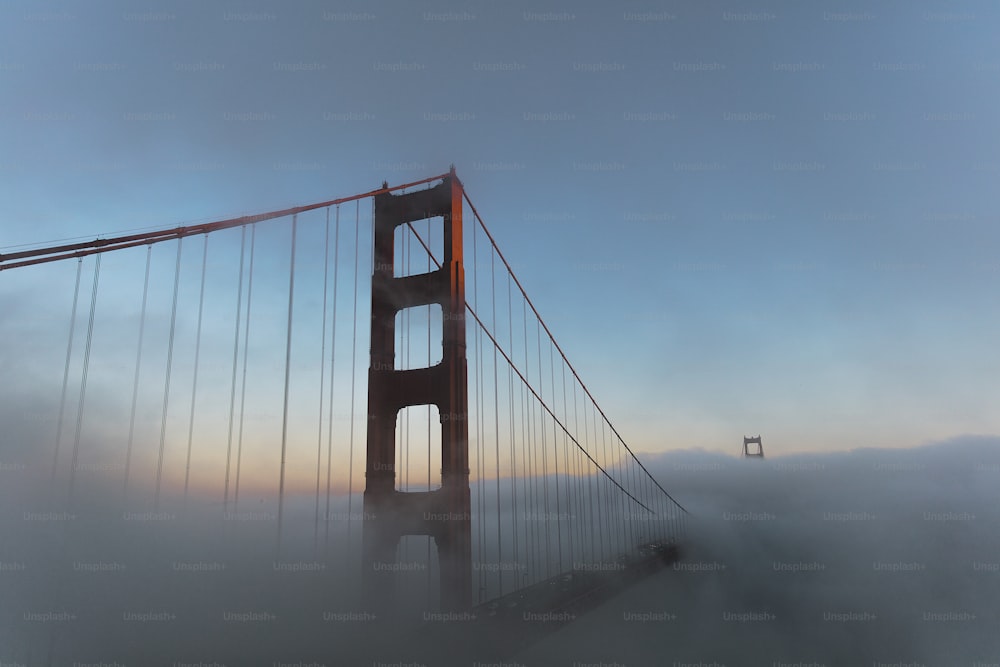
{"x":445,"y":513}
{"x":748,"y":451}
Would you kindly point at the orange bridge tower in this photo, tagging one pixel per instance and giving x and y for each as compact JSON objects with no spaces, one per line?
{"x":444,"y":513}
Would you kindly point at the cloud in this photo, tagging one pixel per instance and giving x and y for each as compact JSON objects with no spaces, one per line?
{"x":868,"y":556}
{"x":864,"y":557}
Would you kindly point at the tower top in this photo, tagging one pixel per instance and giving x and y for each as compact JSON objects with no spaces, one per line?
{"x":755,"y":440}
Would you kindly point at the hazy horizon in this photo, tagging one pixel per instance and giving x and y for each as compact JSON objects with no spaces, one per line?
{"x":886,"y":534}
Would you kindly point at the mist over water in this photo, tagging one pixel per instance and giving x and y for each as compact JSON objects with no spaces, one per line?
{"x":864,"y":557}
{"x":868,"y":557}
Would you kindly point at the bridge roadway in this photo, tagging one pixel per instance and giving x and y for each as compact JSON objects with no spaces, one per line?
{"x":494,"y":632}
{"x":707,"y":609}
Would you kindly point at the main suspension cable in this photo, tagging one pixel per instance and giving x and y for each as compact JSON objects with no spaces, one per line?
{"x":563,"y":354}
{"x":534,"y":392}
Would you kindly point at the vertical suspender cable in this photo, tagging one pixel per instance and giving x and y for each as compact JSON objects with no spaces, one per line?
{"x":354,"y":357}
{"x":529,"y":497}
{"x":496,"y":418}
{"x":536,"y":447}
{"x":582,"y":494}
{"x":83,"y":379}
{"x":529,"y":519}
{"x":477,"y":364}
{"x":593,"y":489}
{"x":513,"y":455}
{"x":545,"y":456}
{"x":236,"y":357}
{"x":555,"y":452}
{"x":246,"y":352}
{"x":640,"y":517}
{"x":322,"y":376}
{"x":483,"y":408}
{"x":288,"y":370}
{"x":609,"y":492}
{"x":197,"y":354}
{"x":481,"y":422}
{"x":616,"y":497}
{"x":635,"y":490}
{"x":166,"y":383}
{"x":333,"y":358}
{"x":621,"y":465}
{"x":69,"y":354}
{"x":135,"y":380}
{"x":569,"y":474}
{"x":599,"y":482}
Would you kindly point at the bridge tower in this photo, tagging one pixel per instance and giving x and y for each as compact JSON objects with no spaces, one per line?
{"x":758,"y":452}
{"x":444,"y":513}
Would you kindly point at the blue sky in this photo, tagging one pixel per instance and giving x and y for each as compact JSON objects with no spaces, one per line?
{"x":777,"y":220}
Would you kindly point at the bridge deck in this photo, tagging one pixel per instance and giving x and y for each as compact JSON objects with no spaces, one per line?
{"x":498,"y":629}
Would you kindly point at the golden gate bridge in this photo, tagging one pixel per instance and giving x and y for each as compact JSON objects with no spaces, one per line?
{"x":221,"y":380}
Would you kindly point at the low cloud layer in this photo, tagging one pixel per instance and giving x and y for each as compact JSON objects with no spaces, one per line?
{"x":881,"y":557}
{"x":870,"y":557}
